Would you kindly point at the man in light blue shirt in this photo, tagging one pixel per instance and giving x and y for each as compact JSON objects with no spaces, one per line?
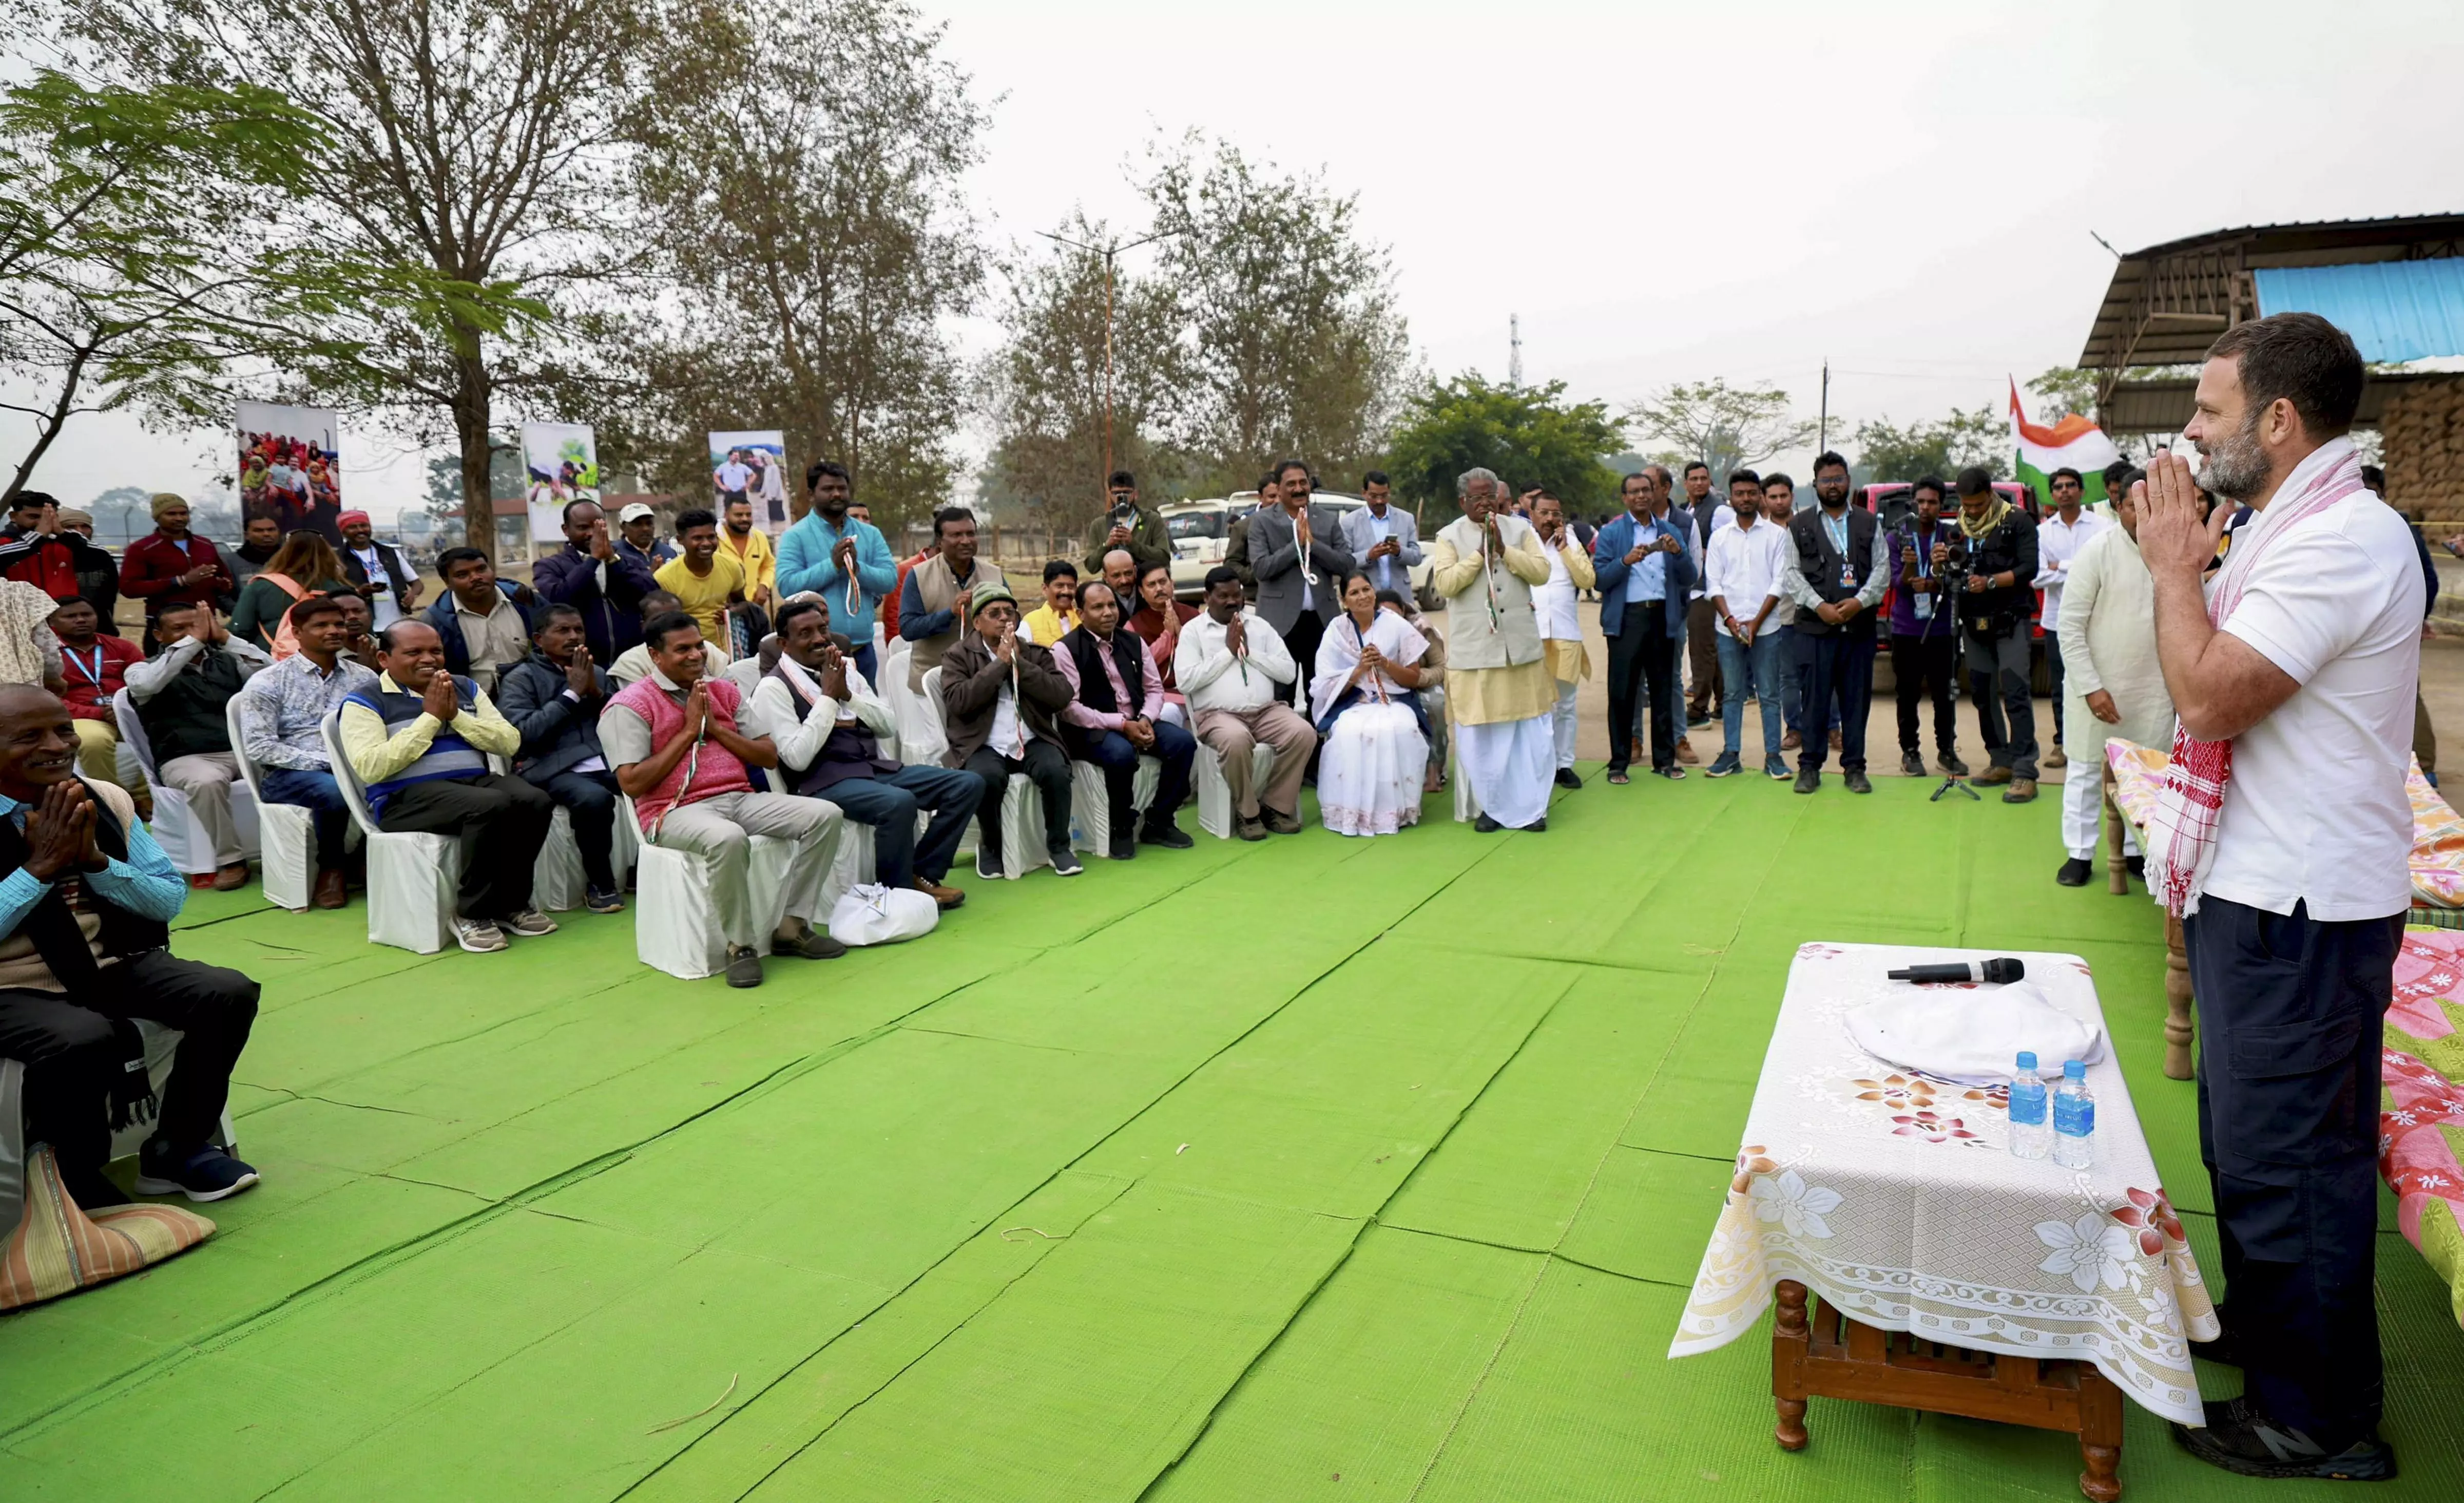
{"x":86,"y":900}
{"x":821,"y":551}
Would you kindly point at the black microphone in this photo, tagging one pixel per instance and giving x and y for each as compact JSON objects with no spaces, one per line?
{"x":1997,"y":971}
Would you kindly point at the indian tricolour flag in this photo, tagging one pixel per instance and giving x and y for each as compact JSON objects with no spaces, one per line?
{"x":2073,"y":441}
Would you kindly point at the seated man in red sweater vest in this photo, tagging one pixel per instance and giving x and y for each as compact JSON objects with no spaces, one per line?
{"x":672,"y":738}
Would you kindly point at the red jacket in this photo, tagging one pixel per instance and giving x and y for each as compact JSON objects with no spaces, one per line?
{"x":151,"y":569}
{"x":93,"y":681}
{"x":45,"y":562}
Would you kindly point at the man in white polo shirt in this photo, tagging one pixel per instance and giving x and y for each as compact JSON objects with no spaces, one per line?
{"x":2282,"y":840}
{"x":1741,"y":578}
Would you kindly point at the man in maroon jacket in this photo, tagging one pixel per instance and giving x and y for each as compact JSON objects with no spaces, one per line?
{"x":173,"y":564}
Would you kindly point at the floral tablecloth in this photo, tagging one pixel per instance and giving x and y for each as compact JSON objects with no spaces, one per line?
{"x":2437,"y":829}
{"x":1896,"y":1199}
{"x":2421,"y":1117}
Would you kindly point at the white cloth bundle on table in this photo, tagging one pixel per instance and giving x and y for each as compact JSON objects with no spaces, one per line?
{"x":1972,"y":1036}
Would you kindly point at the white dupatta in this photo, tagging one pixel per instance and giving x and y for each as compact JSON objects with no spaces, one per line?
{"x":1338,"y":654}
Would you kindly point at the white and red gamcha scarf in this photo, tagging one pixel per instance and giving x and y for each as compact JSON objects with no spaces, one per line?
{"x":2182,"y":836}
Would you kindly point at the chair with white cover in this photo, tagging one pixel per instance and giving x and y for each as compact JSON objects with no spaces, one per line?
{"x":412,"y":879}
{"x":675,"y":922}
{"x":286,"y":832}
{"x":174,"y":826}
{"x":1021,"y":809}
{"x":1215,"y":814}
{"x":1090,"y":802}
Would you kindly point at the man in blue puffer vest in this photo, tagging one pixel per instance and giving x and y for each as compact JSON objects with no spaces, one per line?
{"x":420,"y":737}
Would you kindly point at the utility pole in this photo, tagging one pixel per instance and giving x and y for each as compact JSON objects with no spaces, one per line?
{"x":1824,"y":430}
{"x":1110,"y":254}
{"x":1514,"y":352}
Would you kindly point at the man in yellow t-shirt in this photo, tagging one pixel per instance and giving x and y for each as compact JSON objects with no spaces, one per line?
{"x":704,"y":578}
{"x":1048,"y":623}
{"x":751,"y":548}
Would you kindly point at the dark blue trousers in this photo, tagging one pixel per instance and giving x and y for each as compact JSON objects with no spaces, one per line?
{"x":2290,"y":1013}
{"x":1112,"y":751}
{"x":1838,"y":686}
{"x":889,"y":805}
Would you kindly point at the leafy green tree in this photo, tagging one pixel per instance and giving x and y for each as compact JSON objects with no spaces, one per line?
{"x":1296,"y":343}
{"x":142,"y":252}
{"x":471,"y":172}
{"x":801,"y":177}
{"x":1044,"y":386}
{"x":2062,"y":390}
{"x":1727,"y":428}
{"x":1530,"y":436}
{"x":1942,"y":446}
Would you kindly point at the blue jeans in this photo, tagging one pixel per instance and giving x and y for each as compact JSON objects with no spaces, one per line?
{"x":890,"y":805}
{"x":1112,"y":751}
{"x":1751,"y":670}
{"x":318,"y":794}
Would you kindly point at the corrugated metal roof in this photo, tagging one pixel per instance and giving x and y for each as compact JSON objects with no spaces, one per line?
{"x":2394,"y":310}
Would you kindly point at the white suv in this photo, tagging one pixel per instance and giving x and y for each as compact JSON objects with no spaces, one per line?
{"x":1201,"y":533}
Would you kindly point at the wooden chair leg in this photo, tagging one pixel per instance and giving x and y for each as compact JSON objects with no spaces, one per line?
{"x":2100,"y":1436}
{"x":2117,"y":875}
{"x":1790,"y":1341}
{"x":2178,"y":1014}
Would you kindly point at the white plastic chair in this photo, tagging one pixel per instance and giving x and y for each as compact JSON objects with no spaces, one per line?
{"x":1021,"y":809}
{"x":175,"y":826}
{"x":675,"y":921}
{"x":286,"y":833}
{"x":1215,"y":814}
{"x":1090,"y":802}
{"x":411,"y":878}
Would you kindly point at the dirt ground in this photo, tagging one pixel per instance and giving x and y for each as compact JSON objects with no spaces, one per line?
{"x":2442,"y":687}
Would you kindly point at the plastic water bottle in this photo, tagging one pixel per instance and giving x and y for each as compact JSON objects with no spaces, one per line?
{"x":2032,"y":1134}
{"x":2074,"y":1118}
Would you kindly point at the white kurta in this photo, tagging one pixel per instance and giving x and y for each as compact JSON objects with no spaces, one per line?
{"x":2108,"y":632}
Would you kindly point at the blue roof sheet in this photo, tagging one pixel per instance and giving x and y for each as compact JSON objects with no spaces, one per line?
{"x":2394,"y":310}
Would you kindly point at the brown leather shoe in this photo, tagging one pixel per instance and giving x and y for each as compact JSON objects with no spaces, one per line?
{"x":947,"y":897}
{"x":1790,"y":741}
{"x":231,"y":878}
{"x":330,"y":892}
{"x":1685,"y":751}
{"x":1992,"y":775}
{"x":2022,"y":790}
{"x":2054,"y":758}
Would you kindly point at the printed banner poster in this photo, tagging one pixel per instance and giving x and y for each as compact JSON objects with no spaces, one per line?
{"x":751,"y":466}
{"x":562,"y":460}
{"x":290,"y":467}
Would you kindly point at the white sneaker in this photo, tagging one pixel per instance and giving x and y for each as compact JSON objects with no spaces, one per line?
{"x":531,"y":923}
{"x":478,"y":936}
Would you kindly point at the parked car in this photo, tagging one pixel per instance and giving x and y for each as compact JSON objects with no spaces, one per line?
{"x":1201,"y":534}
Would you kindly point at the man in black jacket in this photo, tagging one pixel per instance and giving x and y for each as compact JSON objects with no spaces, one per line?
{"x":598,"y":578}
{"x":1839,"y":566}
{"x":1994,"y":617}
{"x":554,"y":698}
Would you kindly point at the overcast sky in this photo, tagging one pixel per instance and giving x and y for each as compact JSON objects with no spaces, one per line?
{"x":1670,"y":193}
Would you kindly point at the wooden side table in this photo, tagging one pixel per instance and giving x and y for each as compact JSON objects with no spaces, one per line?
{"x":1827,"y":1354}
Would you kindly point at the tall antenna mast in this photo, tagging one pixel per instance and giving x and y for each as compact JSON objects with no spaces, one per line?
{"x":1514,"y":355}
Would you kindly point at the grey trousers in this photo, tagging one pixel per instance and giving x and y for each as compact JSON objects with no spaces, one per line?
{"x":207,"y":779}
{"x":720,"y":830}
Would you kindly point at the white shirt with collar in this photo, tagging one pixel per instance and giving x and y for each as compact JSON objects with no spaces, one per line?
{"x":1554,"y":603}
{"x":2058,"y":543}
{"x":2316,"y":812}
{"x":771,"y":711}
{"x":1212,"y":679}
{"x":1744,"y":569}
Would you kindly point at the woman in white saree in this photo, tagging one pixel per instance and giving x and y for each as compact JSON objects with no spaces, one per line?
{"x":1373,"y":743}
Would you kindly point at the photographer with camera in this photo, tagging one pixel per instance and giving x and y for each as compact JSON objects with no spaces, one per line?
{"x":1993,"y":606}
{"x":1924,"y":639}
{"x":1126,"y":524}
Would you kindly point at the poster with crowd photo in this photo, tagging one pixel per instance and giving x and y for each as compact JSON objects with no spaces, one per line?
{"x":751,"y":466}
{"x":561,"y":463}
{"x":290,"y":467}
